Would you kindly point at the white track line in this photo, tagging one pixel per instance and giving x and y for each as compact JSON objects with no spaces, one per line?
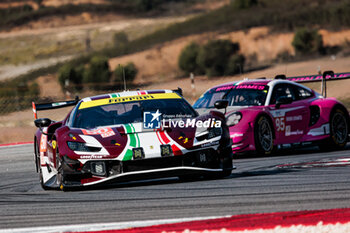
{"x":103,"y":226}
{"x":15,"y":144}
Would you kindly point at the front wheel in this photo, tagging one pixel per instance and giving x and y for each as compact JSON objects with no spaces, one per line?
{"x":60,"y":176}
{"x":226,"y":163}
{"x":38,"y":167}
{"x":263,"y":136}
{"x":338,"y":124}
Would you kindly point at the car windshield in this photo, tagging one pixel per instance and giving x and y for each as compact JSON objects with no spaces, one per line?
{"x":236,"y":95}
{"x":130,"y":112}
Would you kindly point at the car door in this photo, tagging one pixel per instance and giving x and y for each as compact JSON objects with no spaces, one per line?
{"x":290,"y":120}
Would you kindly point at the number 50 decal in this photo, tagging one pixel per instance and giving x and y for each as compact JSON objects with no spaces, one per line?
{"x":280,"y":124}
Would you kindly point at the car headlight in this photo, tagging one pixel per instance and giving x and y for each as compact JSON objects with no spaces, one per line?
{"x":214,"y":132}
{"x":80,"y":146}
{"x":233,"y":118}
{"x":209,"y":134}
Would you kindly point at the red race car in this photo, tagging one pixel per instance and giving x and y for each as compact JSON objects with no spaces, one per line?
{"x":266,"y":114}
{"x":129,"y":136}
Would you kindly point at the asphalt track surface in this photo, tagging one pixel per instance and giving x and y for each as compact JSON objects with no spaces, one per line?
{"x":258,"y":185}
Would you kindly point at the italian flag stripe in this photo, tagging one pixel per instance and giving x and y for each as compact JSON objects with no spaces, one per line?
{"x":128,"y":155}
{"x":136,"y":135}
{"x":128,"y":128}
{"x":164,"y":137}
{"x":176,"y":150}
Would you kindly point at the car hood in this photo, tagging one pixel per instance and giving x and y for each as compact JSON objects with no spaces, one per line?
{"x":118,"y":142}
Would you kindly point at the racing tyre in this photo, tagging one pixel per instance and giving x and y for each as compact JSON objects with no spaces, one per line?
{"x":60,"y":176}
{"x":263,"y":134}
{"x":38,"y":166}
{"x":227,"y":163}
{"x":338,"y":124}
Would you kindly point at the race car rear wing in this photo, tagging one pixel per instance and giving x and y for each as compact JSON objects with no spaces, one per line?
{"x":326,"y":76}
{"x":178,"y":91}
{"x":53,"y":105}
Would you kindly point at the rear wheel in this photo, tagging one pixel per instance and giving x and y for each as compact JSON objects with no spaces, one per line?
{"x":339,"y":131}
{"x":263,"y":136}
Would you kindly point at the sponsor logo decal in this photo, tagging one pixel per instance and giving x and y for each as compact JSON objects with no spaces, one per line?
{"x":210,"y":144}
{"x":43,"y":141}
{"x":130,"y":99}
{"x":317,"y":77}
{"x":104,"y":132}
{"x":90,"y":156}
{"x":209,"y":123}
{"x":292,"y":133}
{"x":294,"y":118}
{"x":151,"y":120}
{"x":58,"y":104}
{"x":247,"y":86}
{"x":115,"y":100}
{"x":54,"y":144}
{"x":282,"y":112}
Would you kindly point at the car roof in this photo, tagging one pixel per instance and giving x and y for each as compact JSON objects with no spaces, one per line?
{"x":269,"y":82}
{"x":125,"y":94}
{"x":243,"y":82}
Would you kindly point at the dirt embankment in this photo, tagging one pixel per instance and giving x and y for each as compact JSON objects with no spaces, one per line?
{"x":170,"y":9}
{"x":257,"y":44}
{"x":54,"y":3}
{"x":19,"y":126}
{"x":159,"y":66}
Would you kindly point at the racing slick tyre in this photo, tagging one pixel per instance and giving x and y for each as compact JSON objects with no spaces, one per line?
{"x":338,"y":124}
{"x":263,"y":135}
{"x":227,"y":163}
{"x":60,"y":176}
{"x":38,"y":166}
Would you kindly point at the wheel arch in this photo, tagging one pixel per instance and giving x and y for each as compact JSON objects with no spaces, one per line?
{"x":269,"y":118}
{"x":328,"y":106}
{"x":341,"y":107}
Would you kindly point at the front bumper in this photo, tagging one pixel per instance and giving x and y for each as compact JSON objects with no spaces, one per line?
{"x":242,"y":142}
{"x":111,"y":171}
{"x":155,"y":173}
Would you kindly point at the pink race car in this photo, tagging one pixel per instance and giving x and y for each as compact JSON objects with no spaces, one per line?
{"x":263,"y":115}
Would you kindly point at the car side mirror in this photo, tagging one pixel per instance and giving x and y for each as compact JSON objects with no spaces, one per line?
{"x":42,"y":122}
{"x":283,"y":100}
{"x":220,"y":104}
